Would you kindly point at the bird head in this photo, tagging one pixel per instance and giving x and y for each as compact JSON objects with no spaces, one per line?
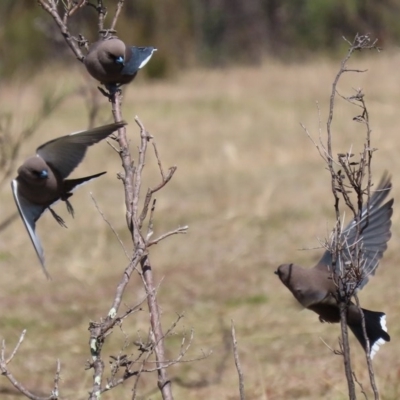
{"x":284,"y":273}
{"x":34,"y":170}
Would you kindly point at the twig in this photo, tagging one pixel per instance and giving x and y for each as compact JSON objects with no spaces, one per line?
{"x":109,"y":224}
{"x":181,"y":229}
{"x":237,"y":363}
{"x":117,"y":12}
{"x":11,"y":142}
{"x":360,"y":385}
{"x":102,"y":14}
{"x":367,"y":352}
{"x":56,"y":390}
{"x":150,"y":230}
{"x":51,"y":7}
{"x":18,"y":385}
{"x":153,"y":190}
{"x":8,"y":221}
{"x":215,"y":376}
{"x":16,"y":348}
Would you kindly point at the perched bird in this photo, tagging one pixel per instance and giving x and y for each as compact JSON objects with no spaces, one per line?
{"x":113,"y":63}
{"x":41,"y":179}
{"x":315,"y":288}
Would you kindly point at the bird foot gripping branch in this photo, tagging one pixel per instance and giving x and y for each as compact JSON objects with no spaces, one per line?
{"x":113,"y":63}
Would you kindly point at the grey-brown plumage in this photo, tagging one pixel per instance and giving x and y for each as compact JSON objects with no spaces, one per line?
{"x":315,"y":289}
{"x":41,"y":179}
{"x":113,"y":63}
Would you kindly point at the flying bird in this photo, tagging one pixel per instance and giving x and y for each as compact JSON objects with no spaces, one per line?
{"x":113,"y":63}
{"x":315,"y":288}
{"x":41,"y":179}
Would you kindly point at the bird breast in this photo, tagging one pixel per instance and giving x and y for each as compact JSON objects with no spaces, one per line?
{"x":41,"y":191}
{"x":100,"y":60}
{"x":307,"y":295}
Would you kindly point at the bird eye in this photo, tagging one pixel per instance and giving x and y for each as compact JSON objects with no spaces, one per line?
{"x":41,"y":174}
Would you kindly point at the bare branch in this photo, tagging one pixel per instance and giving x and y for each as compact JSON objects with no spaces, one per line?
{"x":18,"y":385}
{"x":16,"y":348}
{"x":182,"y":229}
{"x":237,"y":363}
{"x":367,"y":354}
{"x":117,"y":12}
{"x":109,"y":224}
{"x":51,"y":7}
{"x":347,"y":257}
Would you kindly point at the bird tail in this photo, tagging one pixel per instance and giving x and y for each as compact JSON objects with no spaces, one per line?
{"x":71,"y":184}
{"x":375,"y":324}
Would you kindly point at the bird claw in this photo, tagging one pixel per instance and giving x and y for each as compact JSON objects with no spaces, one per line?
{"x":57,"y":218}
{"x":70,"y":208}
{"x":111,"y":91}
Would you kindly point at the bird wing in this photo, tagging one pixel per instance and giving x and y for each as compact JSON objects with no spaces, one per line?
{"x":30,"y":213}
{"x":370,"y":234}
{"x":139,"y":57}
{"x":66,"y":152}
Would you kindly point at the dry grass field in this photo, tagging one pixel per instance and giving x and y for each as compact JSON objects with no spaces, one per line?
{"x":254,"y":192}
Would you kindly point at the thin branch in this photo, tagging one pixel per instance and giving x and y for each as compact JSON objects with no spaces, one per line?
{"x":116,"y":16}
{"x":102,"y":14}
{"x":18,"y":385}
{"x":16,"y":348}
{"x":8,"y":221}
{"x":237,"y":363}
{"x":56,"y":390}
{"x":110,"y":225}
{"x":51,"y":7}
{"x":360,"y":385}
{"x":182,"y":230}
{"x":367,"y":353}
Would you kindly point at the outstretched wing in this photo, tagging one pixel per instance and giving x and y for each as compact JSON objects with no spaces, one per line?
{"x":66,"y":152}
{"x":369,"y":235}
{"x":30,"y":213}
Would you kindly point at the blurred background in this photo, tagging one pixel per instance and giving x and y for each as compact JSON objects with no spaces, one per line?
{"x":224,"y":98}
{"x":201,"y":32}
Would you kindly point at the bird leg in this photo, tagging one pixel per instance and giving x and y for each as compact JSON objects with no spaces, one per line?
{"x":65,"y":197}
{"x":57,"y":218}
{"x":105,"y":93}
{"x":112,"y":90}
{"x":70,"y":208}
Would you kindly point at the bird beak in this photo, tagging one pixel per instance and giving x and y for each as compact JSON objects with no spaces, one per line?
{"x":120,"y":60}
{"x":276,"y":272}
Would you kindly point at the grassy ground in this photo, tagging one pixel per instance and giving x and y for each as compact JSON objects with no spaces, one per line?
{"x":252,"y":189}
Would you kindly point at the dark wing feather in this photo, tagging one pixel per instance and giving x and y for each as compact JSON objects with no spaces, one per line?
{"x":137,"y":59}
{"x":66,"y":152}
{"x":373,"y":235}
{"x":30,"y":213}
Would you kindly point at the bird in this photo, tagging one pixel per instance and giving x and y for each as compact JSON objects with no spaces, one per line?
{"x":113,"y":63}
{"x":315,"y":289}
{"x":41,"y":179}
